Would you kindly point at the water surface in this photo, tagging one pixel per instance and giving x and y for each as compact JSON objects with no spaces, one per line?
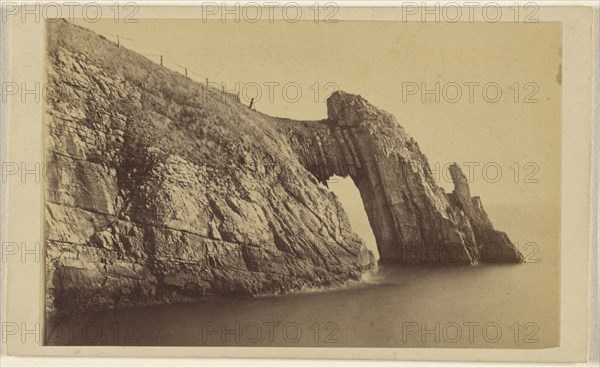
{"x":491,"y":306}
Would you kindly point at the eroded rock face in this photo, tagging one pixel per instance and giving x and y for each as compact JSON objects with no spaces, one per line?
{"x":161,"y":190}
{"x":412,"y":218}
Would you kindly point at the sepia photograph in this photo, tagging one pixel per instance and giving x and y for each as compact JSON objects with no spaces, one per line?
{"x":289,"y":198}
{"x":243,"y":176}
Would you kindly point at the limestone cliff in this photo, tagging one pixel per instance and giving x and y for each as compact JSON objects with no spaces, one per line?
{"x":162,"y":189}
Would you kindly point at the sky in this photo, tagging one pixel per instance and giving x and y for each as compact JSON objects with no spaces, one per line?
{"x":511,"y":140}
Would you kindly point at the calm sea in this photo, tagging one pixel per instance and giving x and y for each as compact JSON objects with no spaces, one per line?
{"x":403,"y":306}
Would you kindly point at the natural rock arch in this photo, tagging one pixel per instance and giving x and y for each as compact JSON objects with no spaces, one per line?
{"x":412,"y":218}
{"x":158,"y":196}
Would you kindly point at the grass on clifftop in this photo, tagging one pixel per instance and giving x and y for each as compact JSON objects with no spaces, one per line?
{"x":178,"y":114}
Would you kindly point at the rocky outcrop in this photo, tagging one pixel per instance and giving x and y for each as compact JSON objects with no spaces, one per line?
{"x":162,"y":189}
{"x":412,"y":218}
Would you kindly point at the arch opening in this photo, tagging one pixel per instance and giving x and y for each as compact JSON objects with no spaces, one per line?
{"x":349,"y":196}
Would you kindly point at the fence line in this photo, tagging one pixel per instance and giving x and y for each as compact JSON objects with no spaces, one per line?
{"x":164,"y":60}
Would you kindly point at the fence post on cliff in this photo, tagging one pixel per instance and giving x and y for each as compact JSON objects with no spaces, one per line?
{"x":186,"y":72}
{"x":206,"y":91}
{"x":161,"y":63}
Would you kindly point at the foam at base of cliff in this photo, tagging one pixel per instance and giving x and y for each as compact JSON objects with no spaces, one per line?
{"x":162,"y":190}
